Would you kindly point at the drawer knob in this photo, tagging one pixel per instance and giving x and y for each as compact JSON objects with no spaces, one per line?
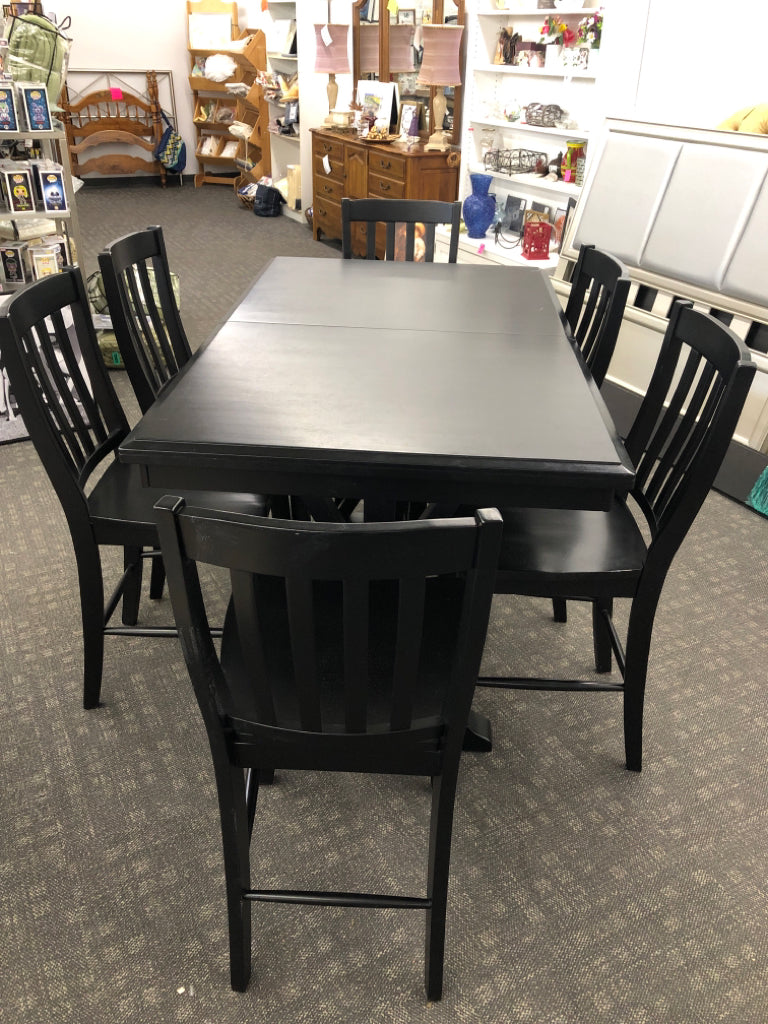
{"x":385,"y":165}
{"x":384,"y":186}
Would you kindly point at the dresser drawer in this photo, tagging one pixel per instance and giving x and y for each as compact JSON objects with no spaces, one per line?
{"x":328,"y":188}
{"x":332,"y":148}
{"x":326,"y":216}
{"x":385,"y":188}
{"x":388,"y":164}
{"x":336,"y":168}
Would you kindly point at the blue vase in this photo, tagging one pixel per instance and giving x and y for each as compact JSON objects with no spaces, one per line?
{"x":479,"y":207}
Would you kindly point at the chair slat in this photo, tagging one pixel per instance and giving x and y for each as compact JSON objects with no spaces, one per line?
{"x":410,"y":624}
{"x":252,"y":641}
{"x":356,"y":636}
{"x":301,"y":619}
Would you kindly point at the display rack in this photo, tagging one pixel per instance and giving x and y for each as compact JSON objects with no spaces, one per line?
{"x":222,"y":156}
{"x":52,"y":145}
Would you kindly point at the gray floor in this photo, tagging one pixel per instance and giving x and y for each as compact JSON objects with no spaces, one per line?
{"x":581,"y":894}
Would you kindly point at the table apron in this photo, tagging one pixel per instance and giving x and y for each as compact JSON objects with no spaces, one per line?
{"x":585,"y":491}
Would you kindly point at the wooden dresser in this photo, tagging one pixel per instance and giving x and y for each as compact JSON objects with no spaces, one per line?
{"x":343,"y":165}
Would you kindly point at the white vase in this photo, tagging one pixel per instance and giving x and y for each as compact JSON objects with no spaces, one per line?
{"x":553,"y":57}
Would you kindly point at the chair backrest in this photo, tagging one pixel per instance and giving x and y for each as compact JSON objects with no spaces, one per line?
{"x":595,"y":307}
{"x":347,"y":646}
{"x":686,"y":422}
{"x":57,"y":373}
{"x":416,"y":219}
{"x":145,"y":316}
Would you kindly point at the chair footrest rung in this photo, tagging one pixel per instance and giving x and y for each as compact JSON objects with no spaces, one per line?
{"x":337,"y":899}
{"x":511,"y":683}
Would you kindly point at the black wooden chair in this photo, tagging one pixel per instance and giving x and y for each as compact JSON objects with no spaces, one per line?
{"x":594,"y":312}
{"x":393,"y":213}
{"x":145,"y":315}
{"x":347,"y":647}
{"x":677,"y":443}
{"x":76,"y":423}
{"x":595,"y":307}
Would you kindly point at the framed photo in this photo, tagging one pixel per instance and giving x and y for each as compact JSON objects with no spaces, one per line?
{"x":406,"y":16}
{"x":410,"y":117}
{"x":379,"y":100}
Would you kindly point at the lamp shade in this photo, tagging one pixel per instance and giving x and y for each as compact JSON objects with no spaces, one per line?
{"x":401,"y":47}
{"x":332,"y":59}
{"x":440,"y":64}
{"x":369,"y":49}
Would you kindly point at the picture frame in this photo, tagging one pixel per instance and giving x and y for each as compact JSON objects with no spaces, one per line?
{"x":410,"y":111}
{"x":378,"y":100}
{"x":406,"y":16}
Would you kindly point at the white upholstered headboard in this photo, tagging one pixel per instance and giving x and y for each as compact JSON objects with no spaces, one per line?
{"x":686,"y":210}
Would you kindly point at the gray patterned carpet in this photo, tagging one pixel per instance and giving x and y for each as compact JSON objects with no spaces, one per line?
{"x":581,"y":894}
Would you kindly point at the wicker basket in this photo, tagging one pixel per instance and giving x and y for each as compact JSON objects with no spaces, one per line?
{"x":514,"y":161}
{"x":541,"y":116}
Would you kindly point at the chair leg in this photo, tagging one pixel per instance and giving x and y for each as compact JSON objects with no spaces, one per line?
{"x":559,"y":609}
{"x":132,"y":561}
{"x":156,"y":578}
{"x":441,"y":825}
{"x":638,"y":649}
{"x":230,"y":782}
{"x":601,"y":637}
{"x":92,"y":612}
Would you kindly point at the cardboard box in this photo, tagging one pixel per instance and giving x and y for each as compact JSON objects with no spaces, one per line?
{"x":34,"y":103}
{"x":18,"y":190}
{"x":12,"y":258}
{"x":9,"y":117}
{"x":52,"y":188}
{"x":43,"y":260}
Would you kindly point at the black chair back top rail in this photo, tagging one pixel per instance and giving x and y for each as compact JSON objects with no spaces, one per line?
{"x":595,"y":307}
{"x":400,"y":212}
{"x":145,"y":315}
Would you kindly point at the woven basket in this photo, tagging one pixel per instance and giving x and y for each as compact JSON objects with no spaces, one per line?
{"x":541,"y":116}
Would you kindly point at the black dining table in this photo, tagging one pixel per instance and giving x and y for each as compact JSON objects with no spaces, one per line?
{"x":426,"y":382}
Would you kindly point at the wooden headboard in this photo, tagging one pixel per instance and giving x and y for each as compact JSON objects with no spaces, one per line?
{"x":110,"y":116}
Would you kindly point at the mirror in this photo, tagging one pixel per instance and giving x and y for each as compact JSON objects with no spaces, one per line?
{"x":378,"y":38}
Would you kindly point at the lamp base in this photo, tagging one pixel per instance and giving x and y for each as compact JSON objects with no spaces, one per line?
{"x":437,"y":143}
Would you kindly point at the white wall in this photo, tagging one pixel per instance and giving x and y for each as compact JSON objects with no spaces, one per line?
{"x":664,"y":60}
{"x":683,"y":62}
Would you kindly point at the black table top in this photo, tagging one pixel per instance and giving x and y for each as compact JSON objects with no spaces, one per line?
{"x":424,"y":381}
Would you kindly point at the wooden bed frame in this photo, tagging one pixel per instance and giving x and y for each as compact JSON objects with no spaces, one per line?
{"x":114,"y":116}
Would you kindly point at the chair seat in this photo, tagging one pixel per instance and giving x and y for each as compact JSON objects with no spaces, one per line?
{"x":118,"y":502}
{"x":567,"y":553}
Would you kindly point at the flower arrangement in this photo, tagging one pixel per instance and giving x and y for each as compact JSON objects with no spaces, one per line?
{"x":590,"y":30}
{"x":555,"y":30}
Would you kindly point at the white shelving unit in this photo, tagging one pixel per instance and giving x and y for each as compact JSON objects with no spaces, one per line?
{"x":492,"y":90}
{"x":285,"y":149}
{"x":53,"y":146}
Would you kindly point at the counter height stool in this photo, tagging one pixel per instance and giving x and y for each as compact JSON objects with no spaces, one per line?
{"x":677,"y":443}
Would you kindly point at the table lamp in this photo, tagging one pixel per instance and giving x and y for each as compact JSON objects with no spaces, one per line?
{"x":332,"y":57}
{"x":369,"y":49}
{"x":401,"y":48}
{"x":440,"y":66}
